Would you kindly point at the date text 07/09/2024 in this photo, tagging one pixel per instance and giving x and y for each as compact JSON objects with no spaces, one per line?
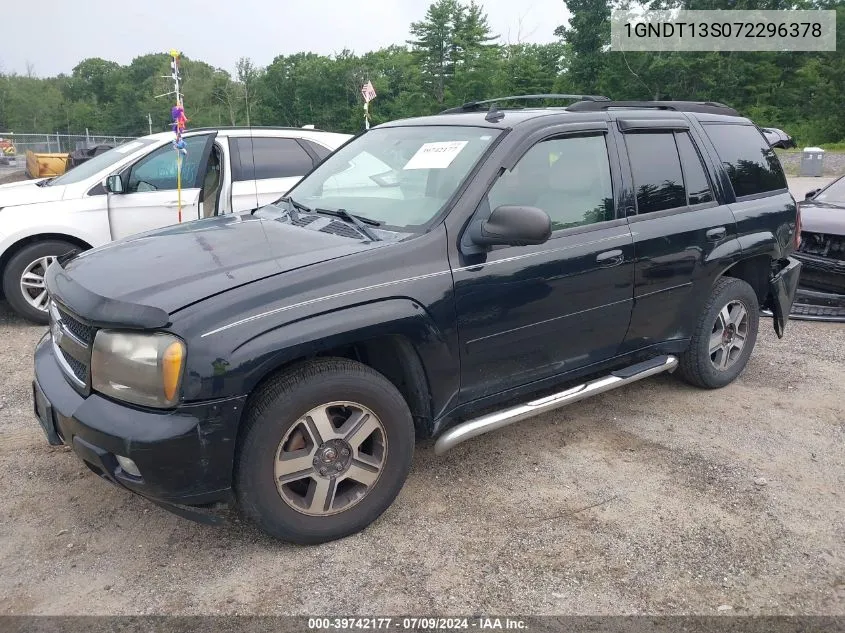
{"x":416,"y":624}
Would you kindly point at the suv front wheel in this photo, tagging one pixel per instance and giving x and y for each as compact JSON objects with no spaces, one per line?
{"x":724,"y":336}
{"x":326,"y":448}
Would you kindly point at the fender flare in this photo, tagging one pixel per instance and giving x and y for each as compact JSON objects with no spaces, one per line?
{"x":272,"y":349}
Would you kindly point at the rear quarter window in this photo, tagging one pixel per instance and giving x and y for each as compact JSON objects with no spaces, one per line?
{"x":751,"y":164}
{"x":261,"y":158}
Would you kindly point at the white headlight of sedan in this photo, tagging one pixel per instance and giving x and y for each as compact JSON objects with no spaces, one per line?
{"x":144,"y":369}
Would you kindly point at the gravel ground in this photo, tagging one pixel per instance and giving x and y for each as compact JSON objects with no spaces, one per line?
{"x":11,"y":174}
{"x":798,"y":187}
{"x":834,"y":162}
{"x":656,"y":498}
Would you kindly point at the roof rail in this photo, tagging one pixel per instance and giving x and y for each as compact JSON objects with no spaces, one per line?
{"x":251,"y":127}
{"x":704,"y":107}
{"x":472,"y":106}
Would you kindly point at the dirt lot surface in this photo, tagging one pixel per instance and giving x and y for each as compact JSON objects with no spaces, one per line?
{"x":655,"y":498}
{"x":834,"y":162}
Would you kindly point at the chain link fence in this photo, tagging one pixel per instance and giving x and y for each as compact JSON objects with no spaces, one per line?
{"x":13,"y":147}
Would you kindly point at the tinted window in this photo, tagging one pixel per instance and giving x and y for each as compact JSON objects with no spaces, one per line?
{"x":318,"y":149}
{"x":262,"y":158}
{"x":751,"y":164}
{"x":695,"y":179}
{"x":657,"y":171}
{"x":157,"y":170}
{"x":568,"y":178}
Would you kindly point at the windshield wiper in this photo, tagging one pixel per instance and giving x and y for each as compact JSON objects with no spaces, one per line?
{"x":359,"y":221}
{"x":45,"y":183}
{"x":293,"y":205}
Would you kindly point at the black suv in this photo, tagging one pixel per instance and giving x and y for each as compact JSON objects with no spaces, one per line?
{"x":437,"y":277}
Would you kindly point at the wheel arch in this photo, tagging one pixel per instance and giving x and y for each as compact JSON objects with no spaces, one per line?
{"x":755,"y":271}
{"x":396,"y":337}
{"x":23,"y":242}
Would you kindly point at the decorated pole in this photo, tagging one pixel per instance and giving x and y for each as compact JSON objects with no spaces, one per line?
{"x":177,"y":112}
{"x":369,"y":93}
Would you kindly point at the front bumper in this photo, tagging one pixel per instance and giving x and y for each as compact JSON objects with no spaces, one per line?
{"x":185,"y":456}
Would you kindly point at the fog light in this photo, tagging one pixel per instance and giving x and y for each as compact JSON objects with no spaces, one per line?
{"x":128,"y":466}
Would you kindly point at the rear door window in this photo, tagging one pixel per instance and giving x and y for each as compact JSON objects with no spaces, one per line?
{"x":752,"y":166}
{"x":261,"y":158}
{"x":656,"y":167}
{"x":695,"y":178}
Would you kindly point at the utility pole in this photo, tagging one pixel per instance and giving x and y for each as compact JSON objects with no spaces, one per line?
{"x":246,"y":98}
{"x":150,"y":121}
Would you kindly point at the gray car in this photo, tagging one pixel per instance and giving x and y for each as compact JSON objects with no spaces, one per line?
{"x":821,"y":292}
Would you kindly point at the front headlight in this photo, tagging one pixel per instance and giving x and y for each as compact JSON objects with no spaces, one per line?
{"x":143,"y":369}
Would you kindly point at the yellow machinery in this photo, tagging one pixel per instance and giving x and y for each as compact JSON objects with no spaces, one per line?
{"x":46,"y":165}
{"x":7,"y":148}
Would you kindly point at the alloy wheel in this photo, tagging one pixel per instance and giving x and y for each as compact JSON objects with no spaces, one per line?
{"x":33,"y":288}
{"x":728,"y":336}
{"x":330,"y":458}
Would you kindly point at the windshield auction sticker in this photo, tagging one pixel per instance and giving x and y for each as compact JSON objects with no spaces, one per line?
{"x":435,"y":155}
{"x":724,"y":30}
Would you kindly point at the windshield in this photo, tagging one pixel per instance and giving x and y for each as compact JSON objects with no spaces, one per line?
{"x":834,"y":193}
{"x":399,"y":176}
{"x":101,"y":162}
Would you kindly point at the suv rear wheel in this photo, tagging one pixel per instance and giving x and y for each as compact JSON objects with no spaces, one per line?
{"x":326,"y":448}
{"x":23,"y":277}
{"x":724,"y":336}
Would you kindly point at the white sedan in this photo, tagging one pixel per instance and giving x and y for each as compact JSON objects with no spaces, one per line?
{"x":133,"y":188}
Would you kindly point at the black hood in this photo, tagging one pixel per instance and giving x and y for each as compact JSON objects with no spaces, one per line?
{"x":171,"y":268}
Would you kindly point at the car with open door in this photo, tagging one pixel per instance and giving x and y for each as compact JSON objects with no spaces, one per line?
{"x":437,"y":277}
{"x":133,"y":188}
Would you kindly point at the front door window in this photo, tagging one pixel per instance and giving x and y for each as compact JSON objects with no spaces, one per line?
{"x":157,"y":171}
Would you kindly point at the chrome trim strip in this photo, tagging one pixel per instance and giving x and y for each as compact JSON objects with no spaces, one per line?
{"x":64,"y":364}
{"x":493,"y":421}
{"x":400,"y":281}
{"x":79,"y":346}
{"x":319,"y":299}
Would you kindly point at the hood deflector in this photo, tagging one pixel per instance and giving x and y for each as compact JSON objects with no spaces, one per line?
{"x":97,"y":310}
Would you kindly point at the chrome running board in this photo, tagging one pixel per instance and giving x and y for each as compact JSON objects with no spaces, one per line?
{"x":478,"y":426}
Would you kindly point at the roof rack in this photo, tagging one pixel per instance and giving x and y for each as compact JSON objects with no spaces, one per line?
{"x":704,"y":107}
{"x":252,"y":127}
{"x":472,"y":106}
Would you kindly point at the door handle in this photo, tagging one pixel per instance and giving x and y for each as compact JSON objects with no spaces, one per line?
{"x":610,"y":258}
{"x":714,"y":235}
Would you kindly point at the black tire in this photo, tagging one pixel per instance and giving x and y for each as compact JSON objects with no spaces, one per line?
{"x":15,"y":268}
{"x":697,"y":366}
{"x":278,"y":406}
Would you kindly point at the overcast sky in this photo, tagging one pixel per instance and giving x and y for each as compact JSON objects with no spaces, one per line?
{"x":54,"y":35}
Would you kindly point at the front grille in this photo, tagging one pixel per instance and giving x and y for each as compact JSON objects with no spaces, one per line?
{"x":73,"y":340}
{"x":823,"y":245}
{"x":83,"y":332}
{"x":831,"y":312}
{"x":80,"y":370}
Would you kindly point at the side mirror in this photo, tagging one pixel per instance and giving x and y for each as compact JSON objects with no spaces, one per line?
{"x":811,"y":194}
{"x":512,"y":226}
{"x":114,"y":184}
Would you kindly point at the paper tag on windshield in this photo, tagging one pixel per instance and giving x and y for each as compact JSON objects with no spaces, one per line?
{"x":128,"y":147}
{"x":435,"y":155}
